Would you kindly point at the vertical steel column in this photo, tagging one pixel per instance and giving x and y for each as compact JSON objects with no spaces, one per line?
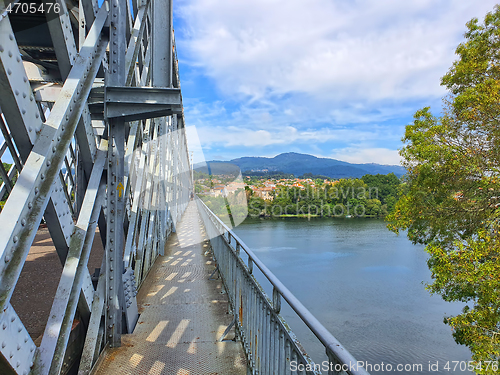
{"x":162,"y":43}
{"x":116,"y":193}
{"x":161,"y":66}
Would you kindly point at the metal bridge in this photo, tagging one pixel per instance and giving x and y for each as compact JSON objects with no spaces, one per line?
{"x":93,"y":143}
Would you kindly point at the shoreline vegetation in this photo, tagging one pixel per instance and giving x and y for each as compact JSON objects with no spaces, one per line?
{"x":304,"y":197}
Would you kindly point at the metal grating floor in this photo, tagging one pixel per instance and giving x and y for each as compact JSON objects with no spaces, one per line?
{"x":182,"y":315}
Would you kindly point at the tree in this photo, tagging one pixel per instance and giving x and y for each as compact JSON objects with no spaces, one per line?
{"x":451,"y":201}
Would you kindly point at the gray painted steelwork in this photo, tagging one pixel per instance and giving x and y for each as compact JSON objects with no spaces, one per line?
{"x":268,"y":341}
{"x":77,"y":102}
{"x":91,"y":116}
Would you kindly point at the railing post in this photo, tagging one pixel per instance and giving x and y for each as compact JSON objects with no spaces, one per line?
{"x":276,"y":300}
{"x":250,"y":265}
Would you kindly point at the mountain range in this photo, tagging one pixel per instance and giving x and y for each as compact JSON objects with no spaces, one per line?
{"x":299,"y":164}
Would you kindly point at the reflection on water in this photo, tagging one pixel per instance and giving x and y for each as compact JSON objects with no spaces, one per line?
{"x":364,"y":283}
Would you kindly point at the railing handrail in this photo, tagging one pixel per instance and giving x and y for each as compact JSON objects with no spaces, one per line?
{"x":323,"y":335}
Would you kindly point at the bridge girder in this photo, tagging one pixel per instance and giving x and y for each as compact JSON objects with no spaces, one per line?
{"x":92,"y":122}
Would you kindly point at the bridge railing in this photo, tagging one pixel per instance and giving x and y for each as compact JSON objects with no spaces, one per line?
{"x":270,"y":345}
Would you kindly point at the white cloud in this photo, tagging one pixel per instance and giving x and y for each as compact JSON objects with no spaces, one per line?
{"x":343,"y":50}
{"x":232,"y":136}
{"x":321,"y":73}
{"x":367,"y":155}
{"x":194,"y":145}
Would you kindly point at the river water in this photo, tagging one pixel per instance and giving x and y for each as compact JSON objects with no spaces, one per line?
{"x":365,"y":284}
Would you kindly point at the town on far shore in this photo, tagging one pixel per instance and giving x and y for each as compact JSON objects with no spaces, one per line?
{"x":278,"y":194}
{"x":262,"y":185}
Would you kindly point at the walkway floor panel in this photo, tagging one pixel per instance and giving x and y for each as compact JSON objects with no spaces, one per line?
{"x":182,"y":315}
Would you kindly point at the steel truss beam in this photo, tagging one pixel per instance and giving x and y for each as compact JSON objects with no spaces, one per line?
{"x":128,"y":179}
{"x":135,"y":103}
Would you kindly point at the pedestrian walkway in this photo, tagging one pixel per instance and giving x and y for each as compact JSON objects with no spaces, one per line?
{"x":182,"y":315}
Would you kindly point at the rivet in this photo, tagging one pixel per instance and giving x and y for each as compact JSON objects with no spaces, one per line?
{"x":31,"y":99}
{"x":48,"y":163}
{"x":110,"y":288}
{"x":23,"y":222}
{"x":23,"y":111}
{"x":4,"y":344}
{"x":15,"y":239}
{"x":110,"y":336}
{"x":54,"y":149}
{"x":10,"y":54}
{"x":58,"y":139}
{"x":18,"y":346}
{"x":18,"y":59}
{"x":16,"y":92}
{"x":4,"y":326}
{"x":42,"y":176}
{"x":11,"y":36}
{"x":36,"y":190}
{"x":19,"y":329}
{"x":25,"y":79}
{"x":26,"y":339}
{"x":7,"y":260}
{"x":1,"y":48}
{"x":30,"y":205}
{"x":110,"y":298}
{"x":9,"y":72}
{"x":12,"y":319}
{"x":11,"y":354}
{"x":24,"y":95}
{"x":18,"y":363}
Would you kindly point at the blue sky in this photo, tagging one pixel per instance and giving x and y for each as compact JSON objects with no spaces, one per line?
{"x":332,"y":78}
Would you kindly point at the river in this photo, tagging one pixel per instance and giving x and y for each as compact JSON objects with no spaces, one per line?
{"x":366,"y":285}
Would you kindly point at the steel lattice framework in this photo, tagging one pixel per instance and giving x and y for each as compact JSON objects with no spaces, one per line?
{"x":92,"y":118}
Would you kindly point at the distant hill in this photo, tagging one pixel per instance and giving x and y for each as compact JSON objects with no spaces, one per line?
{"x":298,"y":164}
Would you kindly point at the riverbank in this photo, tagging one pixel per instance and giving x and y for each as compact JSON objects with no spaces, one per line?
{"x":306,"y":216}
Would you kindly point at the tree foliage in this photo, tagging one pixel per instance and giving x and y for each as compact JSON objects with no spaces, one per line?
{"x":452,"y":189}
